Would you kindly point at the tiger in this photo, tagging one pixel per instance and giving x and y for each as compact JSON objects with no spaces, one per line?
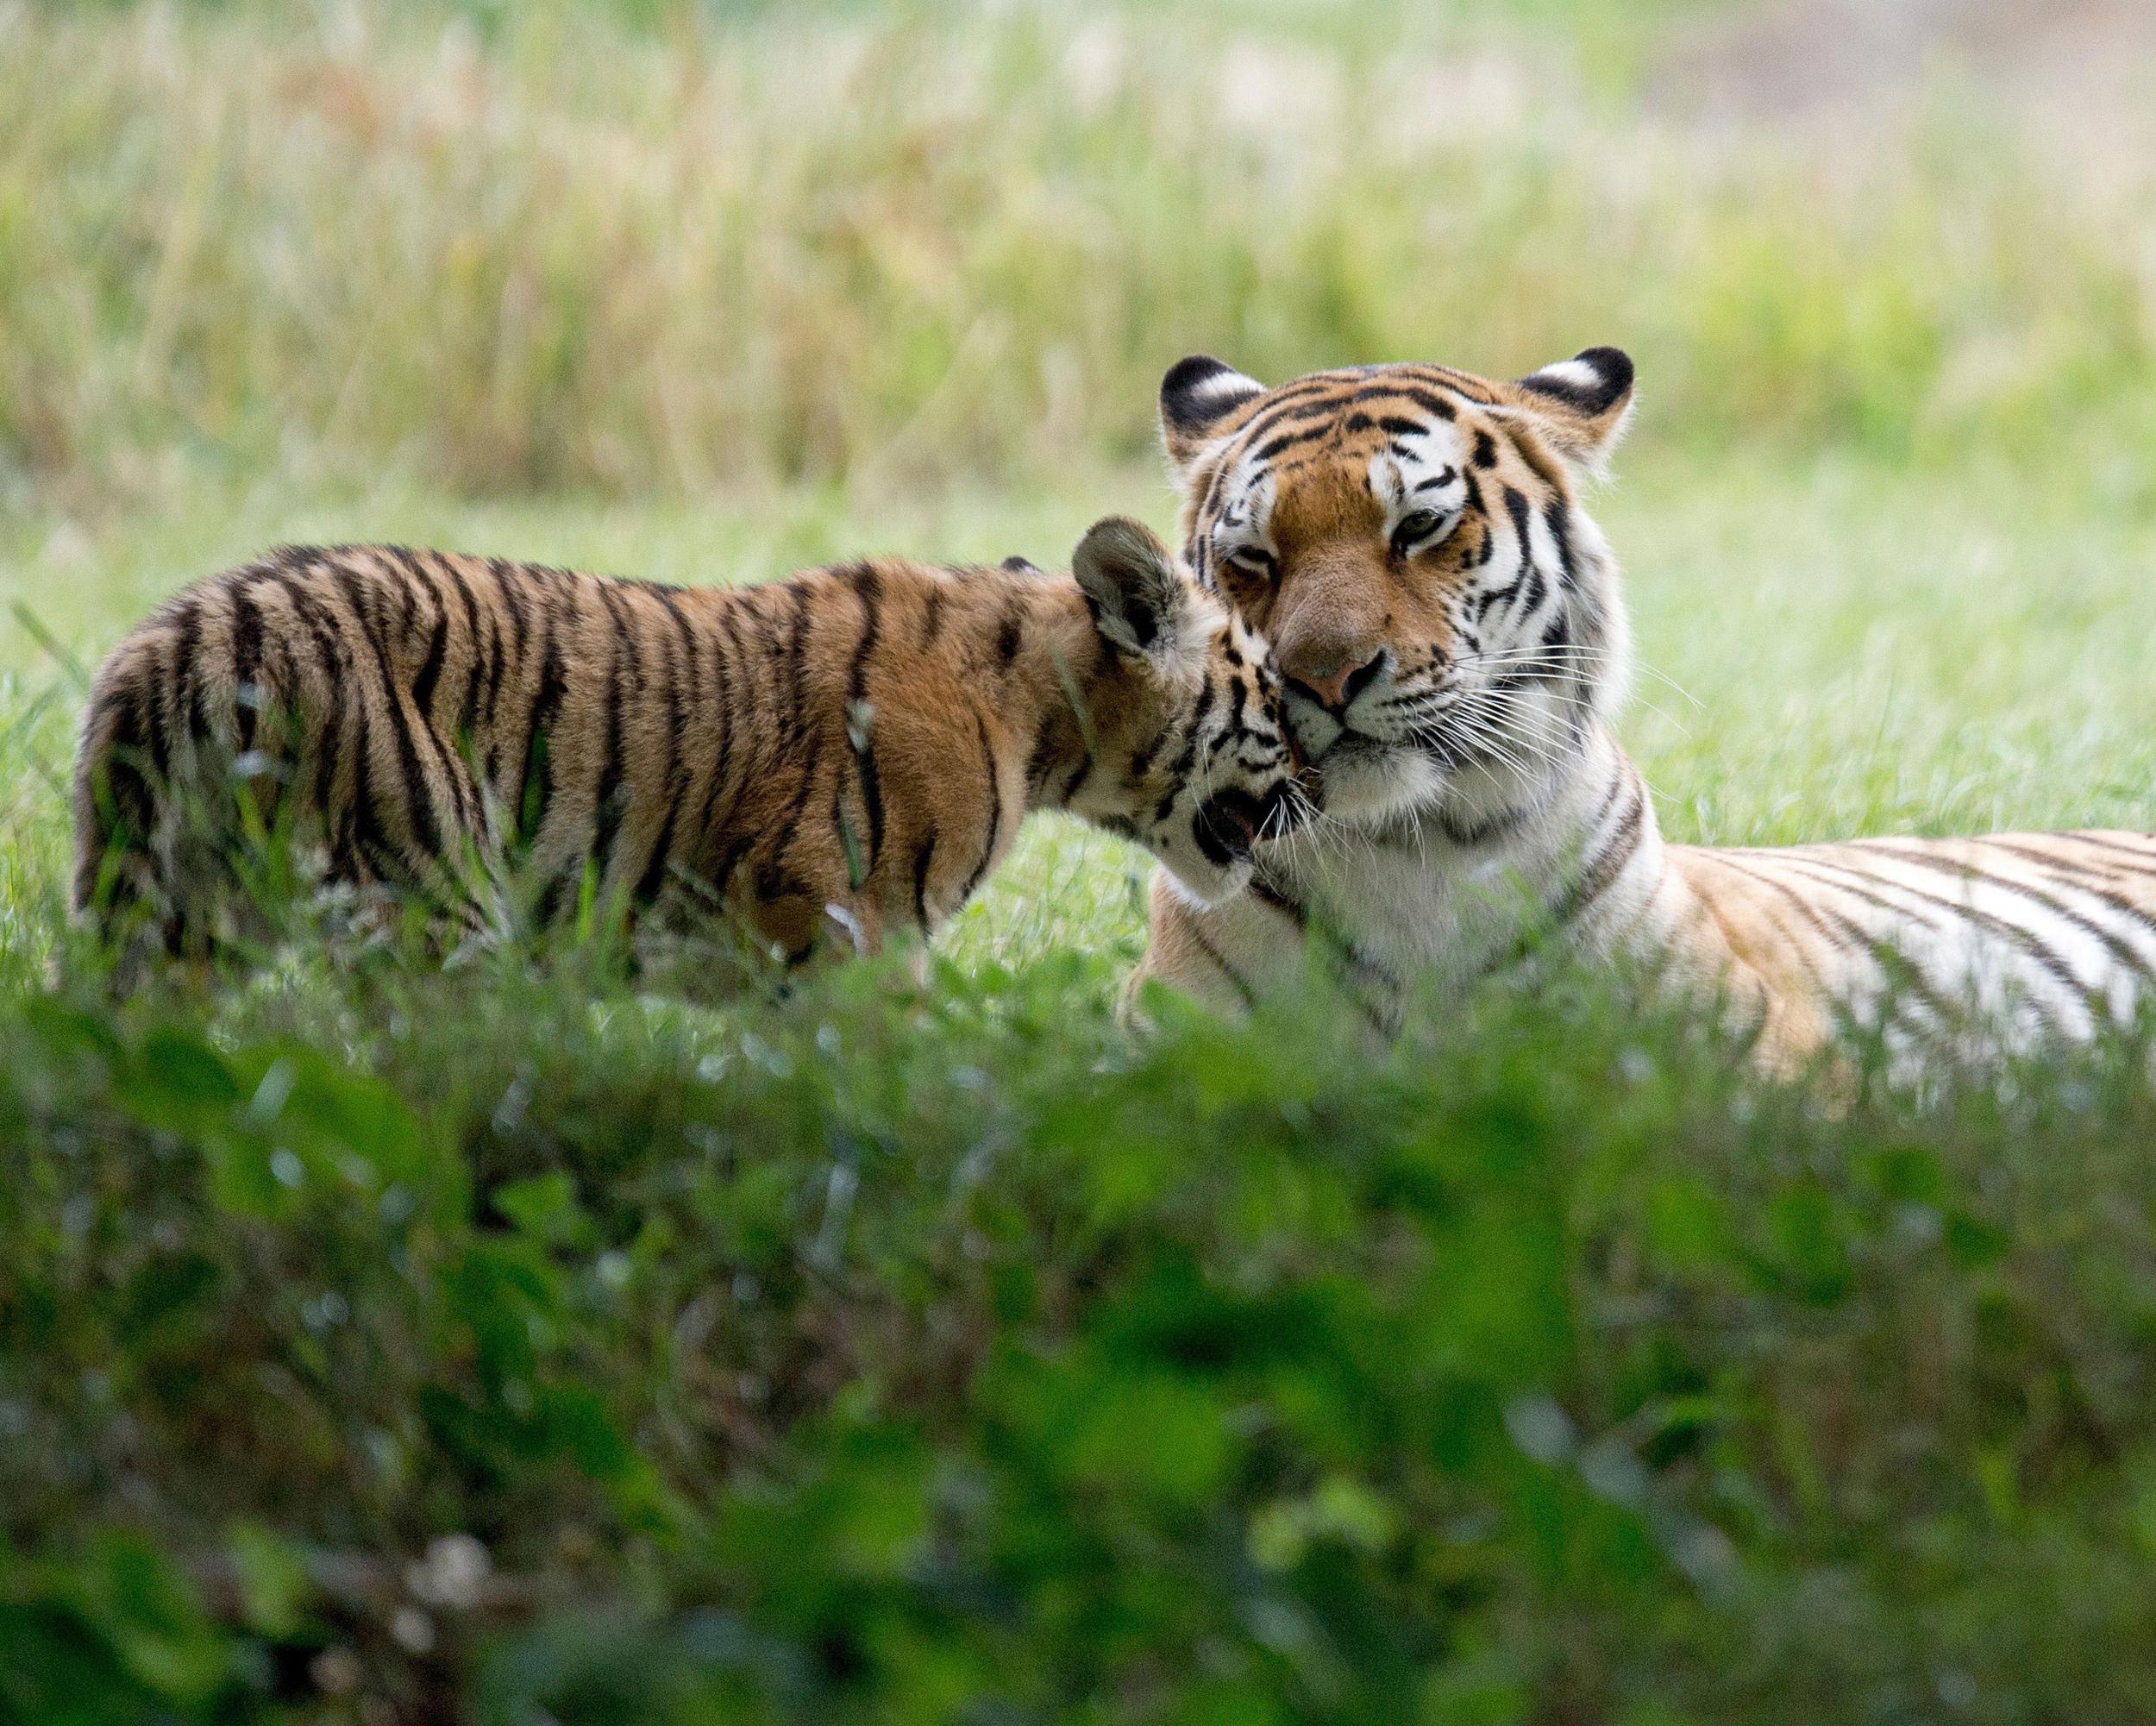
{"x":841,"y":753}
{"x":1411,"y":541}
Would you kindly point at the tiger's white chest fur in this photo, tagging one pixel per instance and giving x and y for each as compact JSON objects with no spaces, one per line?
{"x":1430,"y":900}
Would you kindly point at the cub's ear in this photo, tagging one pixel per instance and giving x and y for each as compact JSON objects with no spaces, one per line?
{"x":1141,"y":603}
{"x":1199,"y":399}
{"x":1582,"y":403}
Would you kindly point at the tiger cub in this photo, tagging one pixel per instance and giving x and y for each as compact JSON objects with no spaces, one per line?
{"x":853,"y":746}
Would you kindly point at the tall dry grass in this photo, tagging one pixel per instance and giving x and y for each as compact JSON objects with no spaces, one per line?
{"x":649,"y":250}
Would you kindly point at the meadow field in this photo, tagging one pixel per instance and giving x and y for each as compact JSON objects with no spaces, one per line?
{"x":525,"y":1343}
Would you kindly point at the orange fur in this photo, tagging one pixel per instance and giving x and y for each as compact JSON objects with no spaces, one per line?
{"x":853,"y":745}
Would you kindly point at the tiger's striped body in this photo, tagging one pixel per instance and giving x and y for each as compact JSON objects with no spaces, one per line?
{"x":853,"y":745}
{"x":1446,"y":616}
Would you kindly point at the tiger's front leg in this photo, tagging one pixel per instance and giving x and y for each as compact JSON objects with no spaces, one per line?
{"x":1223,"y":955}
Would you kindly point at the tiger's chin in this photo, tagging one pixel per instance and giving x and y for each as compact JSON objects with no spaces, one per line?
{"x":1366,"y":782}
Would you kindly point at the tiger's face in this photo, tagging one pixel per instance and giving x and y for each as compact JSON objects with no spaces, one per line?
{"x":1444,"y":616}
{"x":1191,"y":756}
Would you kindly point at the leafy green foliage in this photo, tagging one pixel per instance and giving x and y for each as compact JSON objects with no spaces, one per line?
{"x":884,"y":1353}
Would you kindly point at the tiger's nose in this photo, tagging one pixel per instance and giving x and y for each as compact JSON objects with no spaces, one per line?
{"x":1332,"y":680}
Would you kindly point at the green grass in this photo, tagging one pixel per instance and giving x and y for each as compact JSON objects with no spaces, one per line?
{"x":897,"y":1352}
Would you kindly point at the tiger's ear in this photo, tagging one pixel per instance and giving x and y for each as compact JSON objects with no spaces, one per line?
{"x":1199,"y":399}
{"x":1583,"y":404}
{"x":1140,"y":602}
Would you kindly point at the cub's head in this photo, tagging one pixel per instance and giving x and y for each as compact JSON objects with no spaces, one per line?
{"x":1409,"y":541}
{"x":1188,"y":755}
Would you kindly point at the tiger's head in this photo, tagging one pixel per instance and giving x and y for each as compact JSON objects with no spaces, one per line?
{"x":1189,"y":754}
{"x":1409,"y":541}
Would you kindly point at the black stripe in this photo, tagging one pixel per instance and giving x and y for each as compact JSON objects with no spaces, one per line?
{"x":869,"y":588}
{"x":1275,"y":447}
{"x":467,"y":706}
{"x":1811,"y":915}
{"x":1079,"y":774}
{"x":498,"y":671}
{"x":247,"y":661}
{"x":508,"y":582}
{"x":556,"y":891}
{"x":996,"y":809}
{"x":2014,"y":937}
{"x":1516,"y":508}
{"x":419,"y":803}
{"x":184,"y":693}
{"x":1143,"y":757}
{"x":2118,"y":949}
{"x":329,"y":648}
{"x":1531,"y":452}
{"x":804,"y":720}
{"x":722,"y":635}
{"x":1553,"y":518}
{"x":1290,"y":405}
{"x":1464,"y":385}
{"x":1268,"y":892}
{"x":1179,"y":768}
{"x":1617,"y":850}
{"x":610,"y":805}
{"x":2082,"y":878}
{"x":124,"y":793}
{"x":535,"y":784}
{"x":1481,"y":833}
{"x":729,"y":860}
{"x":2143,"y":855}
{"x":416,"y":583}
{"x":463,"y":787}
{"x":790,"y":825}
{"x":796,"y":649}
{"x":364,"y":833}
{"x":1040,"y":758}
{"x":423,"y":686}
{"x":1898,"y":969}
{"x":1219,"y":964}
{"x":1428,"y":399}
{"x":671,"y":672}
{"x":923,"y":856}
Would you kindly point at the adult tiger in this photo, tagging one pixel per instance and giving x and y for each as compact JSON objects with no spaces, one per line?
{"x":853,"y":745}
{"x":1446,"y":616}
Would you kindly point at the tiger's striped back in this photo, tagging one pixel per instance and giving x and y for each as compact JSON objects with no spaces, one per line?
{"x":2028,"y":936}
{"x":860,"y":741}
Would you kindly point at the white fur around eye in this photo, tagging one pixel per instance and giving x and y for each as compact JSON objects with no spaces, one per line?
{"x":1418,"y":472}
{"x":1236,"y":541}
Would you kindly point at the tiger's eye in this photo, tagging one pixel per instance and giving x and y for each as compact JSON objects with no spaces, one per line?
{"x":1414,"y":527}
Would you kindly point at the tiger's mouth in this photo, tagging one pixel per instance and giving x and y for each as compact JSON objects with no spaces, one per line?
{"x":1229,"y":823}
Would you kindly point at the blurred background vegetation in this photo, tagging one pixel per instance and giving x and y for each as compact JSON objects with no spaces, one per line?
{"x":654,"y":249}
{"x":524,"y":1345}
